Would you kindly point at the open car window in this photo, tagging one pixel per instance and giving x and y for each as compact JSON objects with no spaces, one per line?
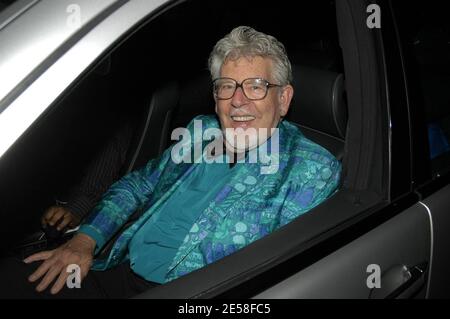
{"x":154,"y":77}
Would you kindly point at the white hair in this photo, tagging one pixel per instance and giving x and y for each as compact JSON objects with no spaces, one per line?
{"x":245,"y":41}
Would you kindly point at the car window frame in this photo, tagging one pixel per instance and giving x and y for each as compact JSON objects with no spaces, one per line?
{"x":30,"y":100}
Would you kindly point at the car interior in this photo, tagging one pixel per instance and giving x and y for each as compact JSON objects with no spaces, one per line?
{"x":157,"y":78}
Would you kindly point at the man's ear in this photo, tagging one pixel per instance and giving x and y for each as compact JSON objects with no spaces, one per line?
{"x":285,"y":99}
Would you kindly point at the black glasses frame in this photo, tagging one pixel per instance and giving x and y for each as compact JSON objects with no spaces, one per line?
{"x":239,"y":85}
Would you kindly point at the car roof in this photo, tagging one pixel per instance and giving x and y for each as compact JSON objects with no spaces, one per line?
{"x":32,"y":31}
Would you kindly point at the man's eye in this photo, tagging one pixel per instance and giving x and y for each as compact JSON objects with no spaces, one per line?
{"x":256,"y":88}
{"x":227,"y":86}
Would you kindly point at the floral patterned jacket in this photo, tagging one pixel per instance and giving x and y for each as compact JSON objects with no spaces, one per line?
{"x":250,"y":206}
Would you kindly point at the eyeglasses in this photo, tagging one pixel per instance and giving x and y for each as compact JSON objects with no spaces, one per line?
{"x":253,"y":88}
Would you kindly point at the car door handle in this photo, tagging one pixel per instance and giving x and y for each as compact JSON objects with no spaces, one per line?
{"x":400,"y":281}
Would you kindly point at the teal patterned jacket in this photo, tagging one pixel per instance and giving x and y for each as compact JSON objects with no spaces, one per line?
{"x":250,"y":206}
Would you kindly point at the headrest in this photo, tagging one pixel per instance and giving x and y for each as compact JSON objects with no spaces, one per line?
{"x":196,"y":94}
{"x":318,"y":101}
{"x":196,"y":97}
{"x":320,"y":59}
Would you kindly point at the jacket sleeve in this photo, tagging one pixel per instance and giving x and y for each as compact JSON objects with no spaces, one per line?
{"x":121,"y":200}
{"x":318,"y":183}
{"x":129,"y":194}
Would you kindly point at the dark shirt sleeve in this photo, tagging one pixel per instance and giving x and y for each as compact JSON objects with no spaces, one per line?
{"x":100,"y":174}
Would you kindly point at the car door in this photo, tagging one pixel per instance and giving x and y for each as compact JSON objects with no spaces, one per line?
{"x":423,"y":33}
{"x":420,"y":46}
{"x":388,"y":261}
{"x":400,"y":252}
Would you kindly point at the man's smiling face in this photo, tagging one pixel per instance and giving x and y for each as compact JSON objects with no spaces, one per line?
{"x":239,"y":111}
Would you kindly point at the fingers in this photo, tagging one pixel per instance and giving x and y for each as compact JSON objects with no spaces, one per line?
{"x":42,"y":269}
{"x":57,"y":216}
{"x":48,"y":215}
{"x":51,"y":274}
{"x":78,"y":251}
{"x":43,"y":255}
{"x":59,"y":213}
{"x":75,"y":221}
{"x":60,"y":282}
{"x":67,"y":218}
{"x":50,"y":269}
{"x":64,"y":274}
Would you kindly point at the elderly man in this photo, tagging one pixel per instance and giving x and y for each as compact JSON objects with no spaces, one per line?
{"x":195,"y":207}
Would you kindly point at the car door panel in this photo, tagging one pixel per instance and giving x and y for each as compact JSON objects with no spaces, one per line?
{"x":403,"y":240}
{"x":438,"y":204}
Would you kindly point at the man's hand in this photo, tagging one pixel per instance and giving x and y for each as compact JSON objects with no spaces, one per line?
{"x":60,"y":216}
{"x":79,"y":251}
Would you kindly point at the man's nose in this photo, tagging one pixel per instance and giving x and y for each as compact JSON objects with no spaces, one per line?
{"x":239,"y":98}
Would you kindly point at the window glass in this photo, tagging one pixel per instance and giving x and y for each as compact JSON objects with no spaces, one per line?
{"x":425,"y":32}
